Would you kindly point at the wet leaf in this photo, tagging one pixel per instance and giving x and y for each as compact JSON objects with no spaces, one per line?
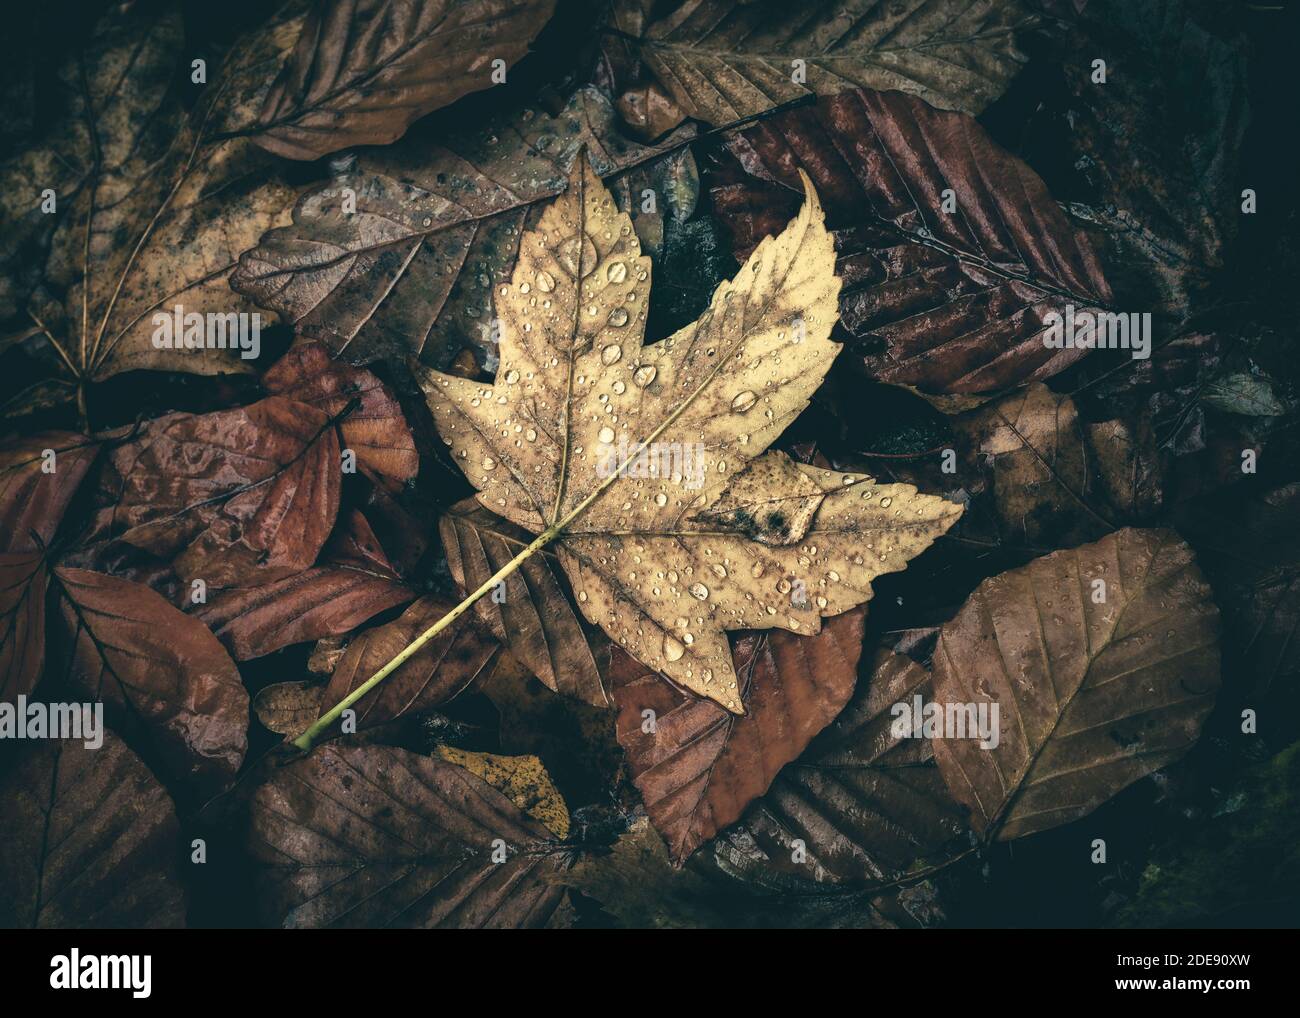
{"x":726,"y":59}
{"x":667,"y":556}
{"x":533,"y":617}
{"x":697,"y":766}
{"x":944,"y":302}
{"x":92,"y":842}
{"x":166,"y":683}
{"x":439,"y":670}
{"x":376,"y":430}
{"x":522,"y":779}
{"x":865,"y":804}
{"x":234,"y":498}
{"x":364,"y":70}
{"x":1092,"y":694}
{"x":436,"y":227}
{"x":368,"y":836}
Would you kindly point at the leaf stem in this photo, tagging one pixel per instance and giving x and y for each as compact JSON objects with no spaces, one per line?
{"x":308,"y":737}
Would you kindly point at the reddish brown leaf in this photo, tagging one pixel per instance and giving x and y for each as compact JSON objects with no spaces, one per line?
{"x":23,"y":578}
{"x":161,"y":673}
{"x":370,"y":836}
{"x":949,"y":303}
{"x":364,"y":70}
{"x":233,"y":498}
{"x":31,"y":500}
{"x":376,"y":430}
{"x":700,"y":766}
{"x":353,"y":583}
{"x":91,"y":841}
{"x":535,"y":620}
{"x":436,"y":672}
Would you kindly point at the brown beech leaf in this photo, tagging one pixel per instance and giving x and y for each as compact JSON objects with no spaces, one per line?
{"x":726,"y":59}
{"x":364,"y":70}
{"x":946,"y":303}
{"x":865,"y":802}
{"x":155,"y":199}
{"x":370,"y":836}
{"x":233,"y":498}
{"x":288,"y":708}
{"x":162,"y":676}
{"x":376,"y":430}
{"x":436,"y":672}
{"x":535,"y":620}
{"x":92,"y":841}
{"x":436,"y":227}
{"x":1103,"y":661}
{"x":23,"y":579}
{"x":645,"y":465}
{"x":39,"y":474}
{"x":329,"y":599}
{"x":697,"y":766}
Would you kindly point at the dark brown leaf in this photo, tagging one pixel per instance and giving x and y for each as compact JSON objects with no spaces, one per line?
{"x":92,"y":841}
{"x":376,"y":430}
{"x":33,"y":501}
{"x":369,"y":836}
{"x":436,"y":230}
{"x":866,"y":803}
{"x":535,"y":620}
{"x":233,"y":498}
{"x":435,"y":673}
{"x":163,"y":677}
{"x":1092,"y":694}
{"x":699,"y":766}
{"x":23,"y":578}
{"x":947,"y":303}
{"x":364,"y":70}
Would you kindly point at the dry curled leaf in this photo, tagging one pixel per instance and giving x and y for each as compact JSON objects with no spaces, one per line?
{"x":288,"y":708}
{"x":522,"y":779}
{"x":435,"y":673}
{"x":369,"y":836}
{"x":947,"y":302}
{"x":534,"y":617}
{"x":1103,"y":661}
{"x":697,"y":766}
{"x":646,"y":464}
{"x":364,"y":70}
{"x":726,"y":59}
{"x":93,"y":841}
{"x":436,"y":227}
{"x":165,"y":680}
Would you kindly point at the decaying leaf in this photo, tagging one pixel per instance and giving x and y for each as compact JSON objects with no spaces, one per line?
{"x":646,"y":463}
{"x":865,"y":803}
{"x":697,"y":766}
{"x":726,"y":59}
{"x":233,"y":498}
{"x":163,"y":677}
{"x":91,"y":841}
{"x":24,"y":576}
{"x":436,"y":227}
{"x":288,"y":708}
{"x":369,"y":836}
{"x":522,"y":779}
{"x":439,"y":670}
{"x":1103,"y":662}
{"x":330,"y":599}
{"x":364,"y":70}
{"x":947,"y":302}
{"x":39,"y":474}
{"x":534,"y":617}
